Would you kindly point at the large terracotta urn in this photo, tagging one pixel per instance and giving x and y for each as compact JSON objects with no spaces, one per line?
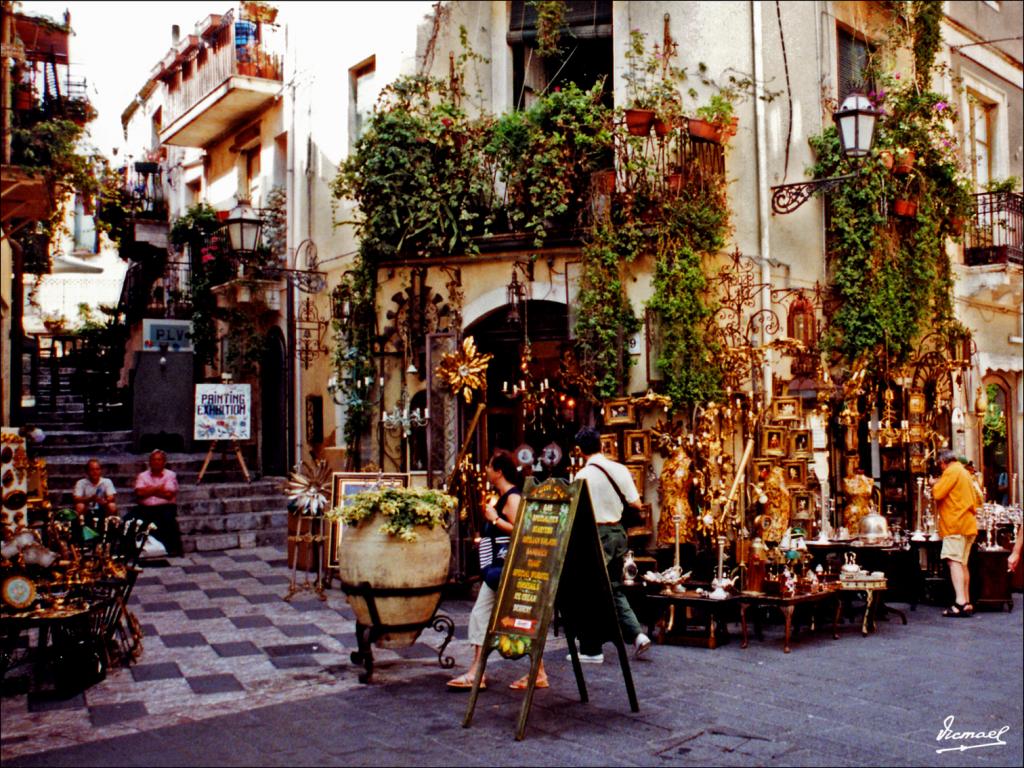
{"x":369,"y":556}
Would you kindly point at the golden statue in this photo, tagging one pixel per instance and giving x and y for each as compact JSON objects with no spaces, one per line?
{"x":775,"y":519}
{"x":673,"y":496}
{"x":858,"y":489}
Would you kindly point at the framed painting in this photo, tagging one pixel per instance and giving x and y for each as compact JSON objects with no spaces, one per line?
{"x":786,"y":409}
{"x":645,"y":528}
{"x":800,"y":443}
{"x":345,"y":485}
{"x":638,"y":445}
{"x":773,"y":441}
{"x":850,"y":465}
{"x":915,"y":402}
{"x":918,"y":464}
{"x":639,"y":473}
{"x":795,"y":473}
{"x":618,"y":411}
{"x":802,"y":506}
{"x":610,"y":445}
{"x":762,"y":468}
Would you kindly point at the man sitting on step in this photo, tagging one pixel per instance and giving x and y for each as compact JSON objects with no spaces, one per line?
{"x":157,"y":492}
{"x":95,"y":493}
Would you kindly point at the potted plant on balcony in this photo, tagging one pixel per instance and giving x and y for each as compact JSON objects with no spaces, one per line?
{"x":79,"y":111}
{"x":714,"y":121}
{"x":641,"y":69}
{"x":395,"y":539}
{"x":25,"y":97}
{"x":262,"y":12}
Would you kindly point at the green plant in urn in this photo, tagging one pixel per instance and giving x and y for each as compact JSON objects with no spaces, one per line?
{"x":395,"y":539}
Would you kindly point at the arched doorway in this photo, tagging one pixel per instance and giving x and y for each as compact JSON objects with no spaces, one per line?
{"x":273,"y":405}
{"x":507,"y":424}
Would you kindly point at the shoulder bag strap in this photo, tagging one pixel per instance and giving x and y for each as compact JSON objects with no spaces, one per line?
{"x":614,"y":485}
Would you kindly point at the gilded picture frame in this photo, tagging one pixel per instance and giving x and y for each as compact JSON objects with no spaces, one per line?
{"x":915,"y":402}
{"x":639,"y":473}
{"x":646,"y":527}
{"x":637,"y":445}
{"x":800,"y":443}
{"x":795,"y":473}
{"x":802,"y":506}
{"x":610,"y":445}
{"x":786,"y":409}
{"x":345,"y":485}
{"x":773,"y":441}
{"x":619,"y":411}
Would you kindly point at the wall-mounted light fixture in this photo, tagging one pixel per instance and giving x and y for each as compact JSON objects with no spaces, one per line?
{"x":855,"y":122}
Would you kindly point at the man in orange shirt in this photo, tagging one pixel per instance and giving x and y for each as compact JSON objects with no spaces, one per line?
{"x":956,"y":500}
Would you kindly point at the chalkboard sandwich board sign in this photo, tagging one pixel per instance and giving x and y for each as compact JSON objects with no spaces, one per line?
{"x":554,"y":527}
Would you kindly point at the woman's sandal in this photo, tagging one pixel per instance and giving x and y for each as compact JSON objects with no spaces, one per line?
{"x":523,"y":682}
{"x":957,"y":611}
{"x":464,"y":682}
{"x":968,"y":609}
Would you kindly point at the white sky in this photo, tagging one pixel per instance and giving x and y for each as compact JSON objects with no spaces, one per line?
{"x":116,"y":44}
{"x":114,"y":47}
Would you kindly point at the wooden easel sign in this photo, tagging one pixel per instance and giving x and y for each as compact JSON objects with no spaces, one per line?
{"x":554,"y":527}
{"x":223,"y":412}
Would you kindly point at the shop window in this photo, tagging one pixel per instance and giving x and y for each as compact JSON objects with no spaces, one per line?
{"x":586,"y":55}
{"x":418,"y":435}
{"x":853,"y":57}
{"x":364,"y":88}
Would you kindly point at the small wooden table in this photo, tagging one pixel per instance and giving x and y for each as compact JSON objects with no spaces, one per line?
{"x":785,"y":603}
{"x":713,"y":630}
{"x":871,"y":602}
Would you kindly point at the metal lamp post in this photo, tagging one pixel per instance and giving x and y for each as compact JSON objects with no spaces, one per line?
{"x":855,"y":122}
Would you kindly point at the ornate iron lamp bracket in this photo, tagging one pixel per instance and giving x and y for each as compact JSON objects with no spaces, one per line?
{"x":786,"y":198}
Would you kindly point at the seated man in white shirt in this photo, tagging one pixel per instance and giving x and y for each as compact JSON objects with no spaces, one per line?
{"x":94,"y":490}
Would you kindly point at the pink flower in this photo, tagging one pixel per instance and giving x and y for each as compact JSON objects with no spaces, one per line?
{"x":941,"y":106}
{"x":208,"y":257}
{"x":897,"y":75}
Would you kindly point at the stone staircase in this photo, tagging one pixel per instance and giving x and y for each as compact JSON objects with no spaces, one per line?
{"x":224,"y":512}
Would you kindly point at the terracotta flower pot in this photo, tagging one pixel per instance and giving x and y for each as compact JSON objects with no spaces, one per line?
{"x":386,"y":562}
{"x":704,"y":131}
{"x":887,"y":159}
{"x":23,"y":100}
{"x":674,"y":183}
{"x":661,"y":127}
{"x":905,"y":208}
{"x":638,"y":121}
{"x":904,"y":163}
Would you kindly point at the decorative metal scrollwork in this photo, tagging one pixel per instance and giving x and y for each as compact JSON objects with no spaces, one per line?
{"x":786,"y":198}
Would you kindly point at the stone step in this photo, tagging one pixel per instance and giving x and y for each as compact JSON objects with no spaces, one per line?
{"x":210,"y":542}
{"x":192,"y":525}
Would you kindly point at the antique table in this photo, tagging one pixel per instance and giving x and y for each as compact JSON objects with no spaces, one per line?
{"x":787,"y":604}
{"x":712,"y":631}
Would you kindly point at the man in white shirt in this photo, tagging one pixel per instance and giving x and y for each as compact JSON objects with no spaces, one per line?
{"x":603,"y":476}
{"x":94,"y":489}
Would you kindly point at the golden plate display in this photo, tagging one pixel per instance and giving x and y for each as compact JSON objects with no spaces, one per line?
{"x":19,"y":591}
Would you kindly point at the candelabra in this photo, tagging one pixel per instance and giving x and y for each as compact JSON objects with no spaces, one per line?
{"x":404,"y":418}
{"x":918,"y":534}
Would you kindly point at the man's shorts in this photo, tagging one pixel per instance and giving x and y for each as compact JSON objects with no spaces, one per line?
{"x":957,"y":547}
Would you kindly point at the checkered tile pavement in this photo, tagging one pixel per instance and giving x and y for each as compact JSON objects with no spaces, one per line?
{"x":219,"y":638}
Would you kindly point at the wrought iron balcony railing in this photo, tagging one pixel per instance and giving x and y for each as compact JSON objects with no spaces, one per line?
{"x":995,"y":234}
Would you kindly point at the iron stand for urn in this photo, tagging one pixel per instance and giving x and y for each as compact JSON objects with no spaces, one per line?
{"x":367,"y":635}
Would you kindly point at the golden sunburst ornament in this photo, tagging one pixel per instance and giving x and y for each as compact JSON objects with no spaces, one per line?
{"x":465,"y":371}
{"x":309,"y":493}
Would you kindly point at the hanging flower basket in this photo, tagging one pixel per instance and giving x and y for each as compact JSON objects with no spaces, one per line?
{"x":639,"y":121}
{"x":906,"y":209}
{"x":661,"y":127}
{"x":887,"y":159}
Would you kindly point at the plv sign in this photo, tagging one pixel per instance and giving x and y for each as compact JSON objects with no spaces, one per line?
{"x":223,"y":412}
{"x":176,"y":334}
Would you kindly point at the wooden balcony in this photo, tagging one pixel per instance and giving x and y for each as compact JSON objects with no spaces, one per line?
{"x":217,"y":81}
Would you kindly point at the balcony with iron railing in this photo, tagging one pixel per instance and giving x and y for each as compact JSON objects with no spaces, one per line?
{"x":995,"y":233}
{"x":219,"y":78}
{"x":167,"y":295}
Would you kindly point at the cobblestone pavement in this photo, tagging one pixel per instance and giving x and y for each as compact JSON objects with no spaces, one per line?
{"x":232,"y":674}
